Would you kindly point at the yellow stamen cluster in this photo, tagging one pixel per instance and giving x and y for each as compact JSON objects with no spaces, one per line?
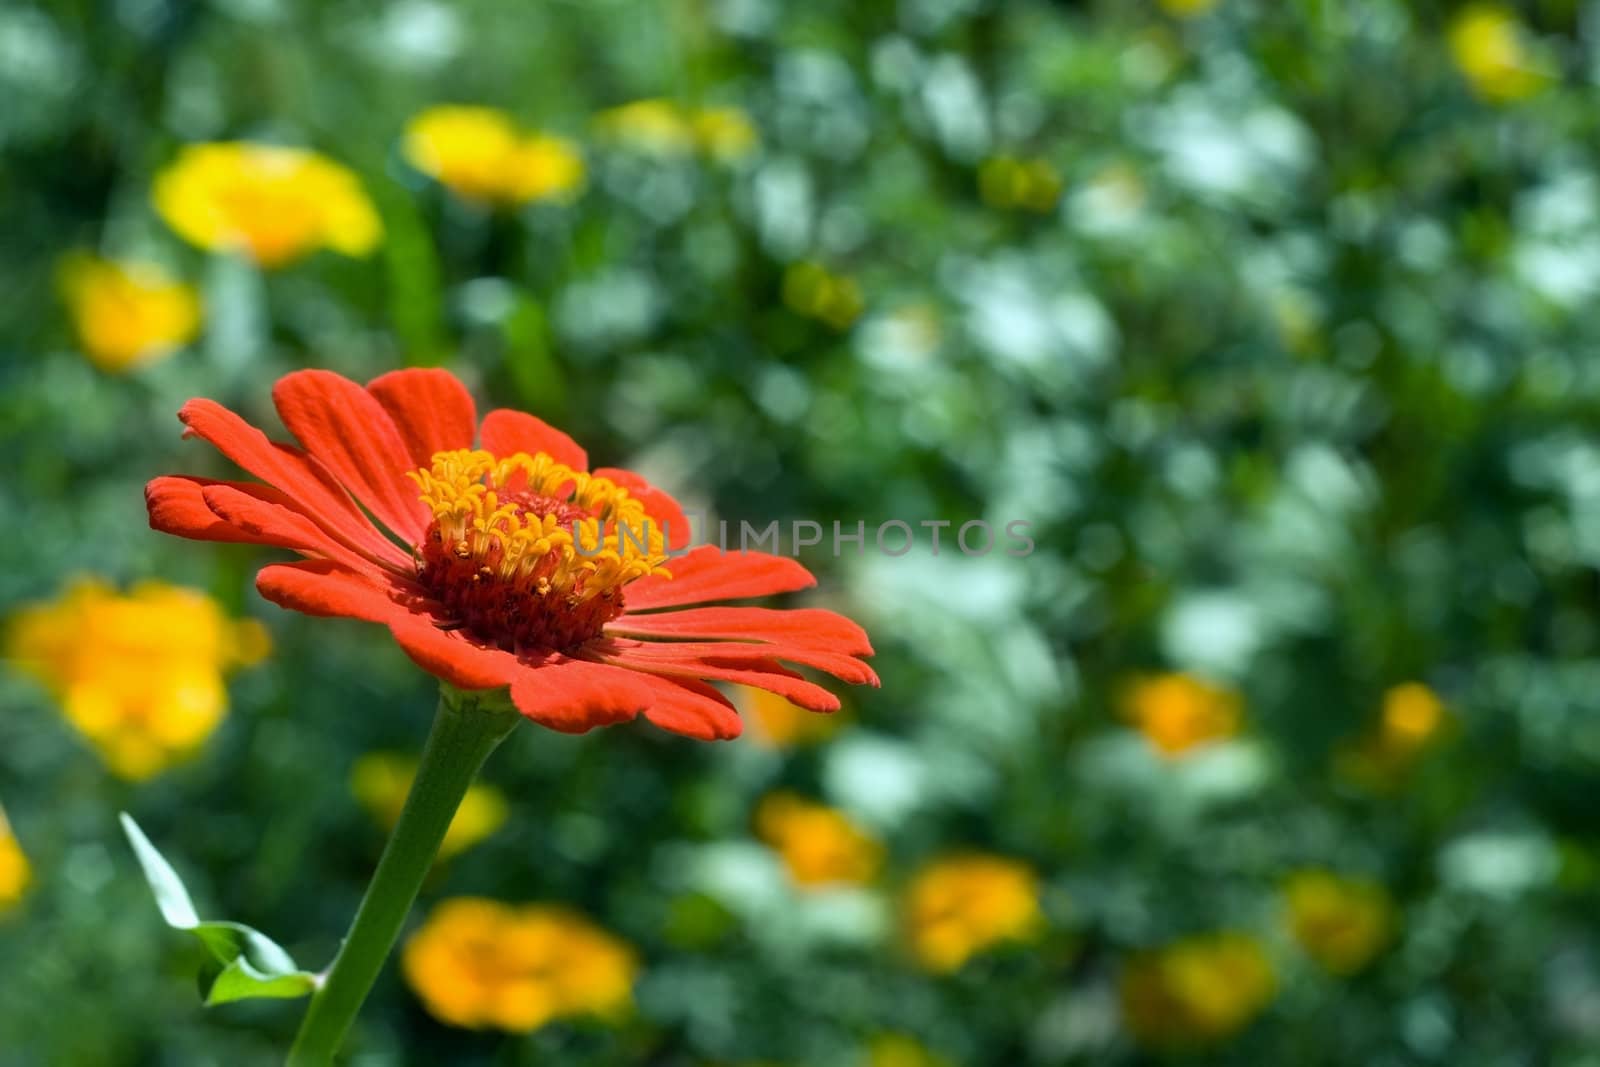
{"x":530,"y":552}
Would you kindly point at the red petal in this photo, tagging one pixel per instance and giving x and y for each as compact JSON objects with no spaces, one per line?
{"x":657,"y":504}
{"x":278,"y":524}
{"x":177,"y":506}
{"x":693,"y":709}
{"x":297,"y":475}
{"x":431,"y":409}
{"x":688,"y":653}
{"x":810,"y":627}
{"x":574,"y":696}
{"x":345,"y":427}
{"x":327,"y":589}
{"x":505,"y":432}
{"x":761,"y":673}
{"x":322,"y":587}
{"x":709,"y":573}
{"x":452,"y":655}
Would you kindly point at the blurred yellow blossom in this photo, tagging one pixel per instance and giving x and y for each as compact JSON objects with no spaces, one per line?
{"x":1196,"y":990}
{"x":269,"y":202}
{"x":665,"y":127}
{"x":127,"y":314}
{"x":139,"y":675}
{"x":1187,"y":8}
{"x":819,"y":845}
{"x":14,"y":871}
{"x":1490,"y":47}
{"x":1179,"y":712}
{"x":1029,"y":184}
{"x":897,"y":1050}
{"x":480,"y":963}
{"x":957,"y":907}
{"x":381,"y":780}
{"x":724,"y":133}
{"x":653,"y":125}
{"x":480,"y":154}
{"x":1412,"y":718}
{"x":1413,"y":715}
{"x":810,"y":289}
{"x":1340,"y":922}
{"x":777,"y":723}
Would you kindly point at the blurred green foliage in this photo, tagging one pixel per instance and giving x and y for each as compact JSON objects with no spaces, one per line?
{"x":1294,"y":380}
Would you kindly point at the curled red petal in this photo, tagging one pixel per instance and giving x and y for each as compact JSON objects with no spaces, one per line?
{"x":708,"y":573}
{"x":574,"y":696}
{"x":431,"y":409}
{"x":279,"y":524}
{"x":350,"y":433}
{"x":505,"y":432}
{"x":328,"y":589}
{"x":305,"y":481}
{"x":325,"y":588}
{"x":177,"y":506}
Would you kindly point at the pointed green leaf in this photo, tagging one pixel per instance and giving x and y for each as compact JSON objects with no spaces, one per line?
{"x":244,"y":963}
{"x":171,"y":897}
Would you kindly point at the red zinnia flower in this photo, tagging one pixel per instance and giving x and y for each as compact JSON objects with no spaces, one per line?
{"x":487,"y":586}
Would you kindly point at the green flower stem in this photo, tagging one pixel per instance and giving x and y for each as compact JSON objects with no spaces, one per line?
{"x":464,"y":732}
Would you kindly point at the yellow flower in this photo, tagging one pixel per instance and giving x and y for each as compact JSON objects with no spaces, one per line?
{"x":127,"y":314}
{"x":1178,"y":712}
{"x":811,"y":290}
{"x":960,"y":906}
{"x":724,"y":133}
{"x":1412,"y":718}
{"x":666,"y":128}
{"x":778,"y":723}
{"x":1196,"y":990}
{"x":14,"y":871}
{"x":479,"y":154}
{"x":269,"y":202}
{"x":479,"y":963}
{"x":1489,"y":47}
{"x":653,"y":125}
{"x":381,"y":780}
{"x":1184,"y":9}
{"x":1029,"y":184}
{"x":819,"y":845}
{"x":140,"y":675}
{"x":897,"y":1050}
{"x":1340,"y":922}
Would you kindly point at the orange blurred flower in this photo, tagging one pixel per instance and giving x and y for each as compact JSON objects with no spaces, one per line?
{"x":1196,"y":990}
{"x":1180,"y":712}
{"x":481,"y":964}
{"x":819,"y":845}
{"x":140,"y":675}
{"x":1342,"y":923}
{"x":958,"y":907}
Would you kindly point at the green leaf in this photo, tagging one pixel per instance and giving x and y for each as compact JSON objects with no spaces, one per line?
{"x":245,"y":963}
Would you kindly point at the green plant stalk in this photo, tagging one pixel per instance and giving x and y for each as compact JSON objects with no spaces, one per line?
{"x":464,"y":732}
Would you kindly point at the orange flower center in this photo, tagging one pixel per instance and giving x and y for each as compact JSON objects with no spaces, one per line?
{"x":528,"y":553}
